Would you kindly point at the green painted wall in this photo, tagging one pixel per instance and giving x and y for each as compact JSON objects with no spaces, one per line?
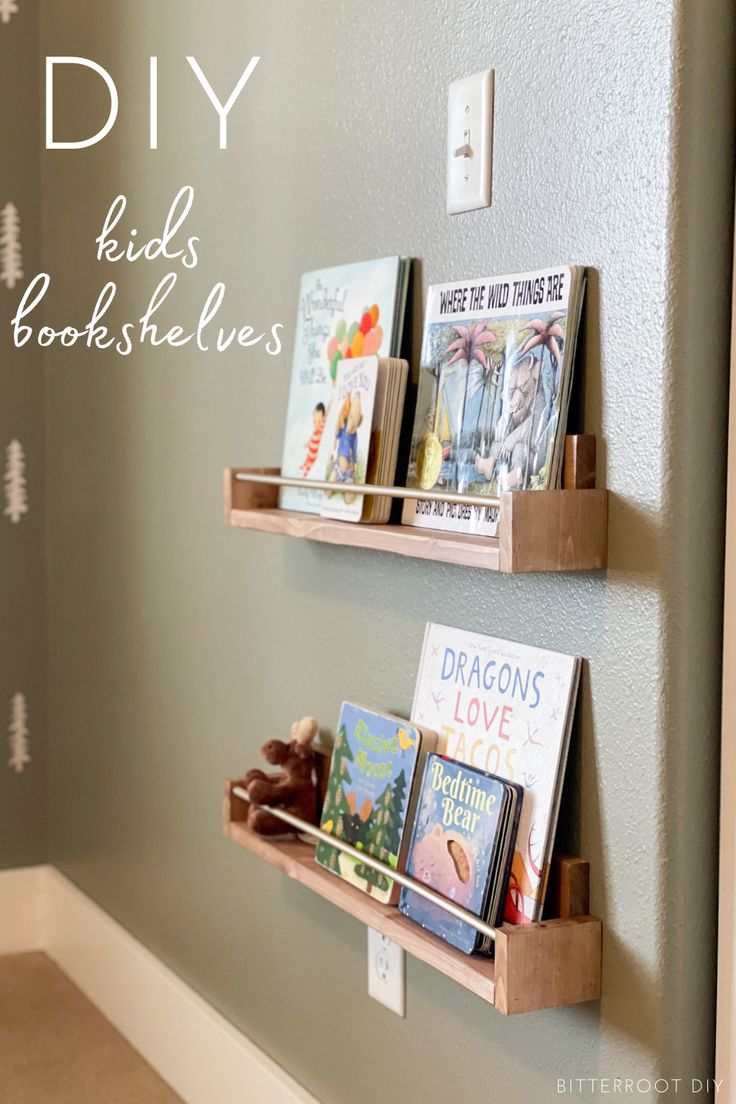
{"x":22,"y":573}
{"x":176,"y":646}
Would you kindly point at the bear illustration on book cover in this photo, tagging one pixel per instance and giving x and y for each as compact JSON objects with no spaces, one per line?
{"x":460,"y":846}
{"x":506,"y":708}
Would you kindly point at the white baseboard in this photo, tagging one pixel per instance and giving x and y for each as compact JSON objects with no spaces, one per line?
{"x":22,"y":899}
{"x":195,"y":1049}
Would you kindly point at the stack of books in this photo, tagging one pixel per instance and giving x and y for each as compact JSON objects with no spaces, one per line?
{"x":347,"y":387}
{"x":465,"y":796}
{"x":495,"y":378}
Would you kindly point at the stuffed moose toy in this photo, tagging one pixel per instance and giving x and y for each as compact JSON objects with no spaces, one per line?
{"x":292,"y":788}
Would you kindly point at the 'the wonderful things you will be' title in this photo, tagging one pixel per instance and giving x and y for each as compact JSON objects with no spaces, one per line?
{"x":119,"y":243}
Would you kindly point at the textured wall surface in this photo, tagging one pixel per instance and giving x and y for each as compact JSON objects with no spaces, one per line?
{"x":176,"y":645}
{"x":22,"y":575}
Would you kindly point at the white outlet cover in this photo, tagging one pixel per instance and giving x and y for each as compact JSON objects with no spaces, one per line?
{"x":469,"y":142}
{"x":386,"y":972}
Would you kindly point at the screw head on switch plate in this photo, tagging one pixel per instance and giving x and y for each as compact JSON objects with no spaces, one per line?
{"x":469,"y":142}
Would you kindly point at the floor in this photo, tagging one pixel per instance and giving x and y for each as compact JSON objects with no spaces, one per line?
{"x":56,"y":1048}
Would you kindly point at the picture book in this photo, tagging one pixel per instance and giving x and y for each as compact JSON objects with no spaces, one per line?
{"x":370,"y":797}
{"x":348,"y":435}
{"x":376,"y":438}
{"x":494,"y":388}
{"x":508,"y":709}
{"x":461,"y":843}
{"x":344,"y":312}
{"x":393,"y":374}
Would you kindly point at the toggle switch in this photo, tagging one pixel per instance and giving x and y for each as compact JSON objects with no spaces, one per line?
{"x":469,"y":142}
{"x":466,"y":150}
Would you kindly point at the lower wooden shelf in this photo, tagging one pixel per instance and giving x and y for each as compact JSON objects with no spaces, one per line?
{"x":545,"y":965}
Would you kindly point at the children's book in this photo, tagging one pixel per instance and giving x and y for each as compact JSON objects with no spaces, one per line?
{"x":364,"y":383}
{"x":348,"y":434}
{"x":387,"y":415}
{"x":461,"y":844}
{"x":344,"y":312}
{"x":494,"y":388}
{"x":370,"y":796}
{"x":508,"y":709}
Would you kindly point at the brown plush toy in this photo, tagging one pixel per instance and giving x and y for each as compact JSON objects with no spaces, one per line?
{"x":292,"y":788}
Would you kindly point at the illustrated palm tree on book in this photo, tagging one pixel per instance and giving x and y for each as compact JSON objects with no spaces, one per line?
{"x":527,"y":418}
{"x":460,"y":392}
{"x":545,"y":336}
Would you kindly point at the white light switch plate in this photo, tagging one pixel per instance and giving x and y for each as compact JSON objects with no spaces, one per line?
{"x":386,"y":972}
{"x":469,"y":142}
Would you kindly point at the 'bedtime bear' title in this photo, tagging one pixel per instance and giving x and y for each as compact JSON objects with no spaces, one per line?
{"x":463,"y":801}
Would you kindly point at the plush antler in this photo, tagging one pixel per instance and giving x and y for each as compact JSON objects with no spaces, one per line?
{"x":305,"y":730}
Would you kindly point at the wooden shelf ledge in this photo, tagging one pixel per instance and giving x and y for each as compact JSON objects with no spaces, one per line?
{"x":555,"y":962}
{"x":563,"y":530}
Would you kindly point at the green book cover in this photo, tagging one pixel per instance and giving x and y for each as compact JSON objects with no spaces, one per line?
{"x":368,"y":799}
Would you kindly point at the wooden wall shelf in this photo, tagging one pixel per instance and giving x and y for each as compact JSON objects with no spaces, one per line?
{"x":563,"y":530}
{"x":545,"y":965}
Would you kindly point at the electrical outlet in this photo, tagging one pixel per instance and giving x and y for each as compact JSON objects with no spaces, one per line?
{"x":469,"y":142}
{"x":386,"y":972}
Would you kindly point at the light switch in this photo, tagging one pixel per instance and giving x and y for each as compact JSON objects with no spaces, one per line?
{"x":469,"y":142}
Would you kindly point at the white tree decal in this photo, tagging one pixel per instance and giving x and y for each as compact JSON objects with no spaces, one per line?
{"x":14,"y":482}
{"x":20,"y":750}
{"x":8,"y":8}
{"x":11,"y":254}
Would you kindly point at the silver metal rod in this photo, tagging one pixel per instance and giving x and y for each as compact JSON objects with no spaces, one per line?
{"x":452,"y":497}
{"x":375,"y":864}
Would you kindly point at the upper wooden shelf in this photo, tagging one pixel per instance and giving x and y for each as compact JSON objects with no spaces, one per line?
{"x":555,"y":962}
{"x":563,"y":530}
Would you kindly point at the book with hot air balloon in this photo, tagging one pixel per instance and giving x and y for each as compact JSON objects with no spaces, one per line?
{"x":494,"y":390}
{"x":353,"y":310}
{"x":376,"y":762}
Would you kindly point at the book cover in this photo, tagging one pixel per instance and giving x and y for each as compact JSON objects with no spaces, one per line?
{"x":344,"y":312}
{"x":494,"y":382}
{"x":505,"y":708}
{"x":348,"y":437}
{"x":369,"y":794}
{"x":454,"y":847}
